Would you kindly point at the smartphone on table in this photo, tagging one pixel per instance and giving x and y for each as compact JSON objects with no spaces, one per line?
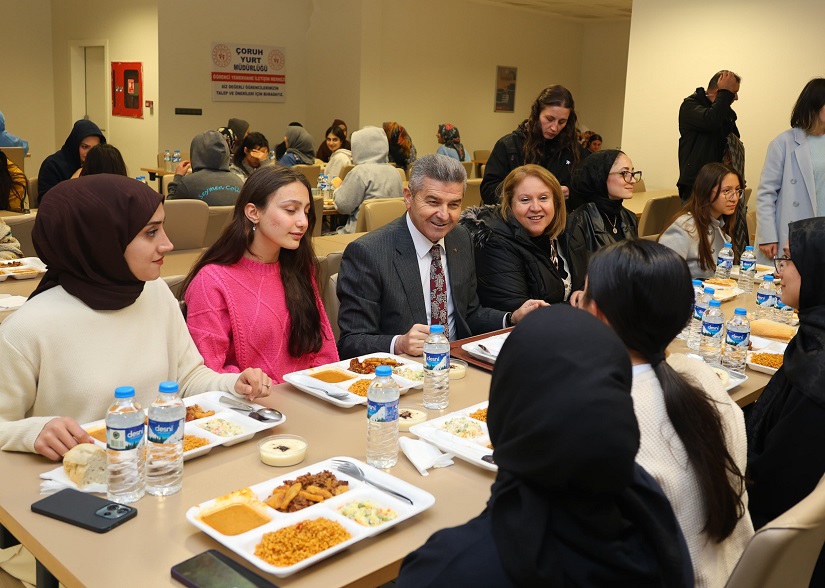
{"x":84,"y":510}
{"x":212,"y":569}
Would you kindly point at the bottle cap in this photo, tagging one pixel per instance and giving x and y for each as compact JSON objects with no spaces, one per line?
{"x":715,"y":303}
{"x":124,"y":392}
{"x":384,"y":370}
{"x":748,"y":247}
{"x":768,"y":278}
{"x":741,"y":311}
{"x":168,"y":387}
{"x":709,"y":290}
{"x":697,"y":282}
{"x":728,"y":245}
{"x":437,"y":329}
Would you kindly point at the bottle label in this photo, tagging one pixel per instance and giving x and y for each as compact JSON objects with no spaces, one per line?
{"x":437,"y":361}
{"x":711,"y":329}
{"x":125,"y":439}
{"x":764,"y":299}
{"x":167,"y":432}
{"x":724,"y":262}
{"x":737,"y":339}
{"x":747,"y":264}
{"x":698,"y":311}
{"x":382,"y":412}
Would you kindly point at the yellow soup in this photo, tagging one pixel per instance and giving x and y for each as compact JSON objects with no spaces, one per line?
{"x":235,"y":519}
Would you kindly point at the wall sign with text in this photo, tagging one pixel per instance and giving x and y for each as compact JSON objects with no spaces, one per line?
{"x":127,"y":89}
{"x":248,"y":73}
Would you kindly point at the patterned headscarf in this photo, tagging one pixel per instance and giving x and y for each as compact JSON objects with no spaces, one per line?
{"x":452,"y":139}
{"x":402,"y":150}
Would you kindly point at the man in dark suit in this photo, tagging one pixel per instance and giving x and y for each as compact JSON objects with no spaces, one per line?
{"x":387,"y":282}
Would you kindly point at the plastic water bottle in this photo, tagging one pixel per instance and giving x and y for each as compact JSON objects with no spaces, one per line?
{"x":724,"y":262}
{"x":167,"y":161}
{"x":766,"y":298}
{"x":272,"y":155}
{"x":382,"y":419}
{"x":747,"y":269}
{"x":176,"y":159}
{"x":702,"y":301}
{"x":436,"y":369}
{"x":784,"y":313}
{"x":737,"y":337}
{"x":713,"y":331}
{"x":142,"y":180}
{"x":697,"y":292}
{"x":164,"y":442}
{"x":125,"y":448}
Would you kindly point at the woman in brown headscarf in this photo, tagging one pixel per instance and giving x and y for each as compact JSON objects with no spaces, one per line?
{"x":100,"y":318}
{"x":402,"y":150}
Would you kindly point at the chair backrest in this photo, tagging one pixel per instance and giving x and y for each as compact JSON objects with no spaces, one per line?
{"x":377,"y":212}
{"x":747,"y":197}
{"x":345,"y":170}
{"x":331,"y":304}
{"x":33,"y":196}
{"x":318,"y":205}
{"x":656,"y":213}
{"x":311,"y":173}
{"x":469,"y":166}
{"x":639,"y":186}
{"x":403,"y":175}
{"x":17,"y":155}
{"x":480,"y":157}
{"x":472,"y":195}
{"x":21,"y":229}
{"x":165,"y":180}
{"x":174,"y":282}
{"x":186,"y":222}
{"x":327,"y":265}
{"x":219,"y":218}
{"x":784,"y":552}
{"x":751,"y":220}
{"x":481,"y":170}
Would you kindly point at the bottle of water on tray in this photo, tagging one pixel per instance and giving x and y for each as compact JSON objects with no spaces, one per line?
{"x":697,"y":292}
{"x":382,"y":419}
{"x":737,"y":337}
{"x":724,"y":262}
{"x":747,"y":269}
{"x":699,"y":308}
{"x":436,"y":369}
{"x":125,"y":448}
{"x":167,"y":161}
{"x":164,"y":455}
{"x":713,"y":332}
{"x":766,"y":298}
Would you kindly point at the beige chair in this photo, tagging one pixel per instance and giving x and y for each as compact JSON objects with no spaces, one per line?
{"x":33,"y":196}
{"x":483,"y":167}
{"x":469,"y":167}
{"x":331,"y":304}
{"x":17,"y":155}
{"x":751,"y":219}
{"x":656,"y":213}
{"x":472,"y":195}
{"x":186,"y":222}
{"x":311,"y":173}
{"x":747,"y":197}
{"x":345,"y":170}
{"x":480,"y":158}
{"x":403,"y":176}
{"x":174,"y":283}
{"x":21,"y":229}
{"x":164,"y":183}
{"x":219,"y":219}
{"x":377,"y":212}
{"x":639,"y":186}
{"x":783,"y":553}
{"x":318,"y":206}
{"x":327,"y":265}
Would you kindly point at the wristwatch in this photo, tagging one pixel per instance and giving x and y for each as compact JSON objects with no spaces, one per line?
{"x":508,"y":320}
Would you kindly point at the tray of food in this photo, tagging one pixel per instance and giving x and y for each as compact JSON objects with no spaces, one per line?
{"x":761,"y":271}
{"x":724,"y":288}
{"x":486,"y":349}
{"x":729,"y":380}
{"x":290,"y":522}
{"x":21,"y":269}
{"x":345,"y":383}
{"x":208,"y":424}
{"x":462,"y":433}
{"x":766,"y":358}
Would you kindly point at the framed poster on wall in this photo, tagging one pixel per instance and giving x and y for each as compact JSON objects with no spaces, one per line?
{"x":127,"y":89}
{"x":505,"y":88}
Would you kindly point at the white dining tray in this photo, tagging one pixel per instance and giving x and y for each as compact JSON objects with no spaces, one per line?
{"x":28,"y":268}
{"x":470,"y":450}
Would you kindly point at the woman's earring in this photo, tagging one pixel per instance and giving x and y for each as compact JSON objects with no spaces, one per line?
{"x":254,"y":227}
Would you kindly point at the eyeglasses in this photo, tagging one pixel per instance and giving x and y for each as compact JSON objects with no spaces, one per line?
{"x":731,"y":195}
{"x":781,"y":262}
{"x":627,"y":175}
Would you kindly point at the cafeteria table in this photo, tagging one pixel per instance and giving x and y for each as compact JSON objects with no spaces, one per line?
{"x":334,"y":243}
{"x":636,"y":205}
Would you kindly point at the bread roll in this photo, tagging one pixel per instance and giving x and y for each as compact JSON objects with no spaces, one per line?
{"x":772,"y":330}
{"x":85,"y":464}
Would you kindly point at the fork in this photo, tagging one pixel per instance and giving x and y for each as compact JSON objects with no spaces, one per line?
{"x":336,"y":395}
{"x":350,"y":469}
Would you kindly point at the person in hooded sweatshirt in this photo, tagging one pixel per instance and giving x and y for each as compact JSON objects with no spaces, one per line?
{"x":9,"y":140}
{"x":372,"y":176}
{"x":299,"y":149}
{"x":63,"y":164}
{"x":211,"y":180}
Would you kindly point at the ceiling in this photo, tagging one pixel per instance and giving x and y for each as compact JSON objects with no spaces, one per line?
{"x":590,"y":10}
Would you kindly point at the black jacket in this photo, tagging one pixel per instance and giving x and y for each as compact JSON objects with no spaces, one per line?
{"x":587,"y":233}
{"x":510,"y":267}
{"x":704,"y":127}
{"x":63,"y":164}
{"x":508,"y":154}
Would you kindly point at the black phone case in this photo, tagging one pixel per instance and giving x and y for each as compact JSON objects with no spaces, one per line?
{"x":204,"y":571}
{"x":81,"y":509}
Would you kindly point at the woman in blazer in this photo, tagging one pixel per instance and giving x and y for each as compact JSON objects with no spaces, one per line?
{"x":789,"y":190}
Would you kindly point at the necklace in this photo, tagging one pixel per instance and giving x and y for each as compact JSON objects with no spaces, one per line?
{"x":613,"y":223}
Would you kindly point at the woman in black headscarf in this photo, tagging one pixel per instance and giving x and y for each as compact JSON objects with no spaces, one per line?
{"x":603,"y":181}
{"x":569,"y":506}
{"x":786,"y":436}
{"x":100,"y":318}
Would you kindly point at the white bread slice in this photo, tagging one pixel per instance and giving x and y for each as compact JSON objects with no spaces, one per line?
{"x":85,"y":464}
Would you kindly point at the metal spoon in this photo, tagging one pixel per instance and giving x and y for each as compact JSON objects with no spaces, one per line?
{"x":261,"y":414}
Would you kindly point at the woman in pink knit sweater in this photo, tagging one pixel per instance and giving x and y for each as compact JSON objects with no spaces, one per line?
{"x":252,"y":298}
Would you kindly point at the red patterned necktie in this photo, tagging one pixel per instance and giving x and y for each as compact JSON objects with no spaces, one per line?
{"x":438,"y":290}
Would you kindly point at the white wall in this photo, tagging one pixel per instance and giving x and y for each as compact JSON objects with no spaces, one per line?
{"x":775,"y":47}
{"x":27,"y":87}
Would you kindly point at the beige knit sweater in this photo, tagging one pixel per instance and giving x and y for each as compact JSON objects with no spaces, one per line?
{"x":663,"y":455}
{"x":58,"y":357}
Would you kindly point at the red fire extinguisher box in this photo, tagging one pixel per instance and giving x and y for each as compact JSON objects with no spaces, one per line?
{"x":127,"y":88}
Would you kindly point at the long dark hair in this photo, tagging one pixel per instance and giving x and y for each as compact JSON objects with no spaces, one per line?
{"x":252,"y":141}
{"x":628,"y":281}
{"x":534,"y":145}
{"x":104,"y":159}
{"x":805,"y":114}
{"x":298,"y":267}
{"x":9,"y":182}
{"x":706,"y":190}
